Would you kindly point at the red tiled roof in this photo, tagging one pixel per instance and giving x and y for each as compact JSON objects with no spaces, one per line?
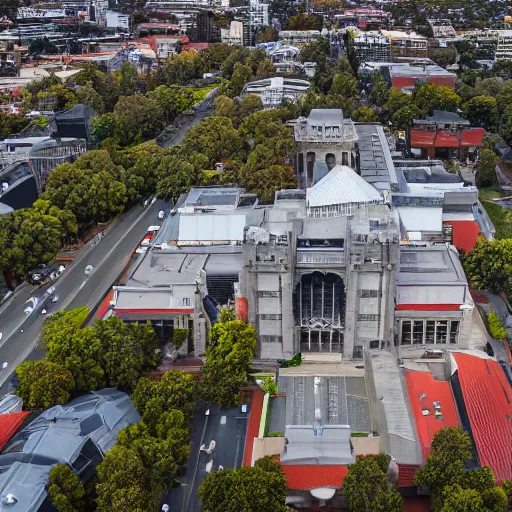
{"x":465,"y":233}
{"x":421,"y":138}
{"x":9,"y":424}
{"x":406,"y":474}
{"x":305,"y":477}
{"x":423,"y":383}
{"x":253,"y":426}
{"x":447,"y":139}
{"x":198,"y":46}
{"x":472,"y":137}
{"x":487,"y":395}
{"x":479,"y":297}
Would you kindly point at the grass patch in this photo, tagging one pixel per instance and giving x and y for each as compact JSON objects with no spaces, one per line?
{"x":359,"y":434}
{"x":501,"y":217}
{"x":275,"y":434}
{"x":200,"y":93}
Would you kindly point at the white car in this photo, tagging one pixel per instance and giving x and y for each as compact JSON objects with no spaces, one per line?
{"x":88,"y":270}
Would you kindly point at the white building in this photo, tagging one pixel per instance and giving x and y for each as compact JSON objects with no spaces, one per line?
{"x":274,"y":90}
{"x":117,"y":20}
{"x":258,"y":14}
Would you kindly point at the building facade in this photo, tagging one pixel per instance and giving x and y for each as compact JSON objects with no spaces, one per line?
{"x":324,"y":139}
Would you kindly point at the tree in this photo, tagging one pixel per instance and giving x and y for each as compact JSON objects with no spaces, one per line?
{"x":379,"y":93}
{"x":102,"y":127}
{"x":430,"y":97}
{"x":172,"y":101}
{"x":124,"y":483}
{"x":137,"y":116}
{"x":176,"y":176}
{"x":367,"y":489}
{"x":397,"y":100}
{"x":402,"y":118}
{"x":32,"y":236}
{"x":43,"y":384}
{"x":128,"y":350}
{"x":261,"y":488}
{"x":452,"y":444}
{"x":344,"y":84}
{"x":241,"y":75}
{"x":364,"y":115}
{"x":303,"y":21}
{"x":481,"y":111}
{"x":269,"y":34}
{"x":232,"y":346}
{"x":128,"y":79}
{"x":175,"y":389}
{"x":265,"y":182}
{"x":224,"y":106}
{"x":11,"y":124}
{"x":316,"y":51}
{"x":88,"y":96}
{"x":182,"y":68}
{"x":91,"y":188}
{"x":468,"y":54}
{"x":453,"y":488}
{"x":214,"y":137}
{"x":486,"y":168}
{"x":489,"y":265}
{"x":65,"y":490}
{"x":444,"y":57}
{"x":488,"y":86}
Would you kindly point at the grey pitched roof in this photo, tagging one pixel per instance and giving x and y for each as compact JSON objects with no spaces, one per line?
{"x":27,"y":484}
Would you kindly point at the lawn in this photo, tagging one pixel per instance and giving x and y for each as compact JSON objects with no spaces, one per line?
{"x":501,"y":217}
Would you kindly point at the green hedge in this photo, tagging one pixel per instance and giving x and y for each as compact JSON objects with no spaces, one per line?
{"x":497,"y":331}
{"x":275,"y":434}
{"x":359,"y":434}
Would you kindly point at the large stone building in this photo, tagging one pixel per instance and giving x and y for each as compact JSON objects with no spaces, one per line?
{"x":359,"y":258}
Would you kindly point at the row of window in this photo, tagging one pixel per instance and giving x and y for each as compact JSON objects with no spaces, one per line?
{"x":419,"y":332}
{"x":367,"y":317}
{"x":270,"y":339}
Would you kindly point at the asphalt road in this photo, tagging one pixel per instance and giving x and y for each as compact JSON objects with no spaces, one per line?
{"x":109,"y":257}
{"x":227,"y":427}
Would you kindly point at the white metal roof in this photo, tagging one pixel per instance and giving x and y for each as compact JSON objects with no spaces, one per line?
{"x":341,"y":186}
{"x":421,"y":219}
{"x":212,"y":228}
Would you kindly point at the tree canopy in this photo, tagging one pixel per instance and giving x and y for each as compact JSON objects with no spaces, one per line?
{"x":43,"y":384}
{"x":228,"y":359}
{"x":261,"y":488}
{"x":452,"y":487}
{"x":65,"y":490}
{"x":111,"y":353}
{"x":366,"y":488}
{"x":32,"y":236}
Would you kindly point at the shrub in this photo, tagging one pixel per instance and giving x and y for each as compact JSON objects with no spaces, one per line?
{"x":495,"y":328}
{"x":269,"y":386}
{"x":179,"y":336}
{"x":275,"y":434}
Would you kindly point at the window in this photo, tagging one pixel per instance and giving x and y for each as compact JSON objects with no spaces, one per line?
{"x":270,"y":339}
{"x":374,"y":344}
{"x":344,"y":158}
{"x":406,"y":332}
{"x":369,"y":294}
{"x":185,"y":302}
{"x":268,"y":294}
{"x":454,"y":331}
{"x":374,"y":224}
{"x":367,"y":318}
{"x":441,"y":331}
{"x":270,"y":317}
{"x":430,"y":335}
{"x":417,"y":332}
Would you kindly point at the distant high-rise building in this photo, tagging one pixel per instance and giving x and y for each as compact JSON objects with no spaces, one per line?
{"x":258,"y":14}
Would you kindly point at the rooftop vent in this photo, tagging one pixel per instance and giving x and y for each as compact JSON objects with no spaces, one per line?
{"x":9,"y":499}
